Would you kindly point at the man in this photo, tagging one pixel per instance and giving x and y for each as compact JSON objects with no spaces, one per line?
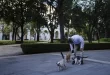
{"x":74,"y":42}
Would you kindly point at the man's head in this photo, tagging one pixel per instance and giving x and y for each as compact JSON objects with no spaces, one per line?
{"x":70,"y":40}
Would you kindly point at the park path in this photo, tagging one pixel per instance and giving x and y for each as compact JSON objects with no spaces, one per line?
{"x":45,"y":64}
{"x":12,"y":62}
{"x":93,"y":55}
{"x":10,"y":50}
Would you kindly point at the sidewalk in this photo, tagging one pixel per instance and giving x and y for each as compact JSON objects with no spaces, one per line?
{"x":9,"y":50}
{"x":97,"y":63}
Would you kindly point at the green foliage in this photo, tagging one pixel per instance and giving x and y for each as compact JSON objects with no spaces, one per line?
{"x":96,"y":46}
{"x":28,"y":41}
{"x":87,"y":16}
{"x":58,"y":47}
{"x":56,"y":40}
{"x":6,"y":42}
{"x":105,"y":39}
{"x":72,"y":33}
{"x":7,"y":30}
{"x":43,"y":48}
{"x":22,"y":12}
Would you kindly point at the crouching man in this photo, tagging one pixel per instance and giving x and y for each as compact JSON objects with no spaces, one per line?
{"x":75,"y":42}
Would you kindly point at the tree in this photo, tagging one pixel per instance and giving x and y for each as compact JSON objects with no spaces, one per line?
{"x":60,"y":8}
{"x":20,"y":12}
{"x":105,"y":17}
{"x":52,"y":22}
{"x":89,"y":17}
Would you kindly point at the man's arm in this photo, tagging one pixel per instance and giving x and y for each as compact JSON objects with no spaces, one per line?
{"x":82,"y":47}
{"x":71,"y":48}
{"x":81,"y":43}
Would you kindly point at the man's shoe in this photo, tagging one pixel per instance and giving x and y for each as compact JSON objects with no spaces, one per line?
{"x":82,"y":61}
{"x":72,"y":51}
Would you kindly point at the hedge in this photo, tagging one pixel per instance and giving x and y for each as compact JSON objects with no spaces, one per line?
{"x":97,"y":46}
{"x":9,"y":42}
{"x":6,"y":42}
{"x":105,"y":39}
{"x":44,"y":47}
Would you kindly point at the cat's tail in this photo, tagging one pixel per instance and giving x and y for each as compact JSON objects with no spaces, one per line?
{"x":62,"y":55}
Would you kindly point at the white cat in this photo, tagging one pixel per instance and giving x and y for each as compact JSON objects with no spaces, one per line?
{"x":61,"y":63}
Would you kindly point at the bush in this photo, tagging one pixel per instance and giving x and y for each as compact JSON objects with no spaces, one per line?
{"x":43,"y":48}
{"x":105,"y":39}
{"x":96,"y":46}
{"x":29,"y":41}
{"x":6,"y":42}
{"x":51,"y":47}
{"x":56,"y":40}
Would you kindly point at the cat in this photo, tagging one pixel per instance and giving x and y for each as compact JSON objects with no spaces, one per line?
{"x":77,"y":60}
{"x":68,"y":55}
{"x":61,"y":63}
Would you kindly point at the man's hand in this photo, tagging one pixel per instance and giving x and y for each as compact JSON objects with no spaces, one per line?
{"x":72,"y":51}
{"x":81,"y":49}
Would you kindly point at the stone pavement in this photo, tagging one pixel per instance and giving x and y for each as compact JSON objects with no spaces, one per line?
{"x":9,"y":50}
{"x":97,"y":63}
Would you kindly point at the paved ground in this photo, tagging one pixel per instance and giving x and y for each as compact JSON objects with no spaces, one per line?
{"x":9,"y":50}
{"x":97,"y":63}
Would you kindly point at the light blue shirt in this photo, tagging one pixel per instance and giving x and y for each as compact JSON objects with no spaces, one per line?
{"x":77,"y":39}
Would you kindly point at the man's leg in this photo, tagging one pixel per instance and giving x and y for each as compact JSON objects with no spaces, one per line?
{"x":75,"y":49}
{"x":74,"y":54}
{"x":81,"y":54}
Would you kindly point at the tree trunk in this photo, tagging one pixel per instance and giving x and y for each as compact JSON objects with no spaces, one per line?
{"x":16,"y":28}
{"x":38,"y":31}
{"x":90,"y":34}
{"x":107,"y":32}
{"x":61,"y":22}
{"x":22,"y":33}
{"x":98,"y":36}
{"x":13,"y":34}
{"x":22,"y":21}
{"x":52,"y":35}
{"x":89,"y":38}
